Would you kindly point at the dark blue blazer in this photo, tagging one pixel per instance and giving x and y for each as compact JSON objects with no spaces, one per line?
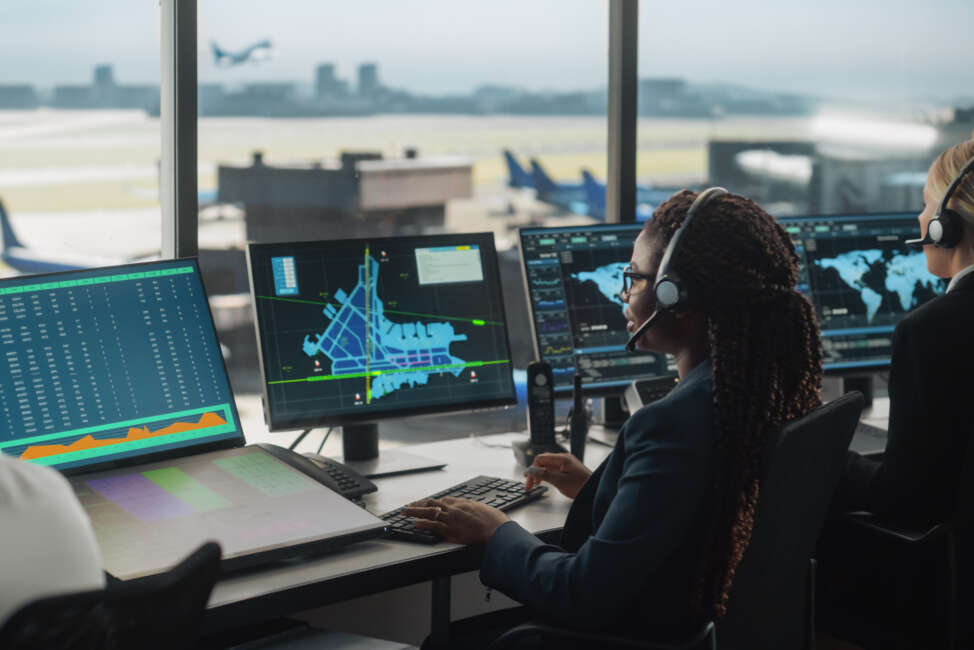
{"x":632,"y":543}
{"x":931,"y":419}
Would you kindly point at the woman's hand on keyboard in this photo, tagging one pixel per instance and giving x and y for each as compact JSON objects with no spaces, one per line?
{"x":461,"y":521}
{"x":564,"y":471}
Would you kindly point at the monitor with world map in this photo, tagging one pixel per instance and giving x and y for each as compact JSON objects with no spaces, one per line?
{"x":862,"y":280}
{"x":358,"y":330}
{"x":573,"y":275}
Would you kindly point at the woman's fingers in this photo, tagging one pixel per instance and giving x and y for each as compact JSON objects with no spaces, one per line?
{"x":437,"y":527}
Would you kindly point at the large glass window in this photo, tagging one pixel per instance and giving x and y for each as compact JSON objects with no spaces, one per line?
{"x":808,"y":107}
{"x":327,"y":120}
{"x":79,"y":134}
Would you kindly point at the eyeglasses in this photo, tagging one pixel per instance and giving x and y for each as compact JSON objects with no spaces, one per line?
{"x":633,"y":282}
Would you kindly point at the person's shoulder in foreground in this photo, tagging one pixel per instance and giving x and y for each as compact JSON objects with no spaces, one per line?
{"x":48,"y":546}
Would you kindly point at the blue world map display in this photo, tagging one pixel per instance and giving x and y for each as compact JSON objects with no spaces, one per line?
{"x":362,"y":342}
{"x":902,"y":275}
{"x":608,"y":279}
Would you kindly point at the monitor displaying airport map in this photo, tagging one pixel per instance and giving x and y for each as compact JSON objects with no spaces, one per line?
{"x":357,"y":330}
{"x":573,"y":276}
{"x":862,"y":280}
{"x":109,"y":366}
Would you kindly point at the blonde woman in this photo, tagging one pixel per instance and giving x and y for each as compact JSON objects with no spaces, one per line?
{"x":931,"y":379}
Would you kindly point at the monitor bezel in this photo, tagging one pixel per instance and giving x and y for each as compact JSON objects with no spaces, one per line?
{"x":865,"y":368}
{"x":213,"y":445}
{"x":367,"y":417}
{"x":563,"y":391}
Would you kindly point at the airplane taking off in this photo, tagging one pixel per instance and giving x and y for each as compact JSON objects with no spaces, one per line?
{"x":259,"y":51}
{"x":25,"y":260}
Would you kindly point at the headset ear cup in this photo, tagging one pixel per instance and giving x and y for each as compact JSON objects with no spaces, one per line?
{"x":953,"y":230}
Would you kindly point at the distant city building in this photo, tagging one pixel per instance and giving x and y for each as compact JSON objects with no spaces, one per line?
{"x":327,"y":84}
{"x":332,"y":97}
{"x":104,"y":75}
{"x":368,"y":79}
{"x":18,"y":96}
{"x":105,"y":93}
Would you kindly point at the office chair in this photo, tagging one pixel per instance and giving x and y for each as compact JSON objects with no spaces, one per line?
{"x":771,"y":605}
{"x":938,"y":541}
{"x":771,"y":602}
{"x":162,"y":611}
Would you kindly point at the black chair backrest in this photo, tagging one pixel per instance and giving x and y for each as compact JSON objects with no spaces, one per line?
{"x":801,"y":469}
{"x":964,"y":504}
{"x":162,"y":611}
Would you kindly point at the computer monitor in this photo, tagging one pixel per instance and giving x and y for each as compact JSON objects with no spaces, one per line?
{"x":862,"y":280}
{"x":354,"y":331}
{"x":573,"y":276}
{"x":111,"y":366}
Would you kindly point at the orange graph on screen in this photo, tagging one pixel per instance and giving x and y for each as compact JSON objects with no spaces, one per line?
{"x":40,"y":451}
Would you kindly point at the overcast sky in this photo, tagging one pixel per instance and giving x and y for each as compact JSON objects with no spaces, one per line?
{"x":896,"y":49}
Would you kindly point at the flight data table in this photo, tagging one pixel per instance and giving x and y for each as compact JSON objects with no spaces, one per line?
{"x":120,"y":361}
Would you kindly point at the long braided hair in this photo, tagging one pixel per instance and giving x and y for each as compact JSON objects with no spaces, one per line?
{"x":766,"y":356}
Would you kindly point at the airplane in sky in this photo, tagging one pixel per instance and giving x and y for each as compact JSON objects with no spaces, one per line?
{"x":28,"y":260}
{"x":259,"y":51}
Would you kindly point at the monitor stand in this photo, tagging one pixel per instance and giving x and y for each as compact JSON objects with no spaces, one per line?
{"x":610,"y":414}
{"x":360,"y":451}
{"x":861,"y":383}
{"x":613,"y":413}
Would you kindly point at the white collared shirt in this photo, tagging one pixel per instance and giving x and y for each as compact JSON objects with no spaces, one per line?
{"x":964,"y":271}
{"x":47,"y":544}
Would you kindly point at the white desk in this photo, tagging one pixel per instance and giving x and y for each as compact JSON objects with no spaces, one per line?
{"x":380,"y":565}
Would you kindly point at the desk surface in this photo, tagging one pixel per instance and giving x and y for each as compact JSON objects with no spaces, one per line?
{"x":379,"y":565}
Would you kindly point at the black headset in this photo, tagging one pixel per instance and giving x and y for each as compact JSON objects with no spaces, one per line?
{"x":670,"y":291}
{"x":945,"y":229}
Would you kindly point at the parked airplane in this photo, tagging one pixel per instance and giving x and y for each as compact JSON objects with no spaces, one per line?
{"x":257,"y":52}
{"x":26,"y":260}
{"x":587,"y":197}
{"x":516,"y":176}
{"x":646,"y":198}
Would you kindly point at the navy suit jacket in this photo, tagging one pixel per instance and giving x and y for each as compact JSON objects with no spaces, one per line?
{"x":633,"y":540}
{"x":931,"y":388}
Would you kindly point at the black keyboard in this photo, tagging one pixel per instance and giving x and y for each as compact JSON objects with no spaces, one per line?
{"x":871,"y":431}
{"x":501,"y":493}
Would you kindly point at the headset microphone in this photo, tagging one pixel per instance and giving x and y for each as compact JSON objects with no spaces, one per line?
{"x":944,"y":229}
{"x":670,"y":291}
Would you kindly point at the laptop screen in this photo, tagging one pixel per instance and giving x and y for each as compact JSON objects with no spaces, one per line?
{"x":111,"y":366}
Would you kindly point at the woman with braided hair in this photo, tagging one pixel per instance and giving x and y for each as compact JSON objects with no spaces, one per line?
{"x":655,"y":534}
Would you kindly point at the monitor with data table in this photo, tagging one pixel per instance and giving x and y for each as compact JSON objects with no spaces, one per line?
{"x":354,"y":331}
{"x":573,"y":277}
{"x":862,"y":280}
{"x":110,"y":366}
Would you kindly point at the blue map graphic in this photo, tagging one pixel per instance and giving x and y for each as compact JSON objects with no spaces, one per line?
{"x":608,"y":279}
{"x":399,"y":354}
{"x":902,"y":275}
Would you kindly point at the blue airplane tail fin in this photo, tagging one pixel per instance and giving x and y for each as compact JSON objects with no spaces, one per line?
{"x":594,"y":195}
{"x":9,"y":238}
{"x":542,"y":182}
{"x":217,"y":52}
{"x":516,"y":176}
